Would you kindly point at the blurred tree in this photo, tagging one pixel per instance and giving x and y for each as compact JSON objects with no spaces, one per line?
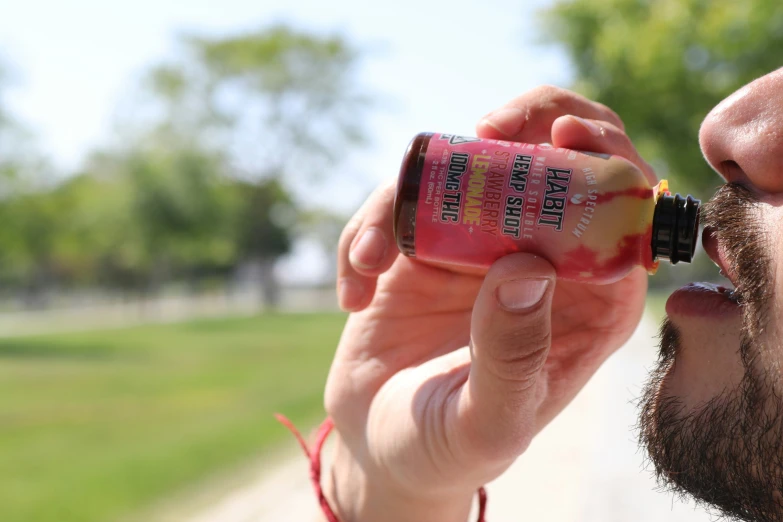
{"x":281,"y":105}
{"x":183,"y":209}
{"x":99,"y":243}
{"x":291,"y":99}
{"x":264,"y":225}
{"x":664,"y":64}
{"x":30,"y":260}
{"x":26,"y":257}
{"x":202,"y":177}
{"x":149,"y":215}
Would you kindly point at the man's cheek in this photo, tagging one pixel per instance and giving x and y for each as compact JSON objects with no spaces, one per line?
{"x":708,"y":360}
{"x":770,"y":342}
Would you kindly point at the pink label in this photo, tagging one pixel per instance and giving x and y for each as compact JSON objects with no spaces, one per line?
{"x":482,"y":199}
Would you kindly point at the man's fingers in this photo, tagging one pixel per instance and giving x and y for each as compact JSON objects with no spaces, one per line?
{"x":572,"y":132}
{"x":529,"y":117}
{"x":510,"y":339}
{"x":366,"y":250}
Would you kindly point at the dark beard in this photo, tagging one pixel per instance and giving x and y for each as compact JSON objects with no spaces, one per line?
{"x":728,"y":453}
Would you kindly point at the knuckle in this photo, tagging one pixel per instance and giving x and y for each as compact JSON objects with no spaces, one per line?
{"x":520,"y":356}
{"x":548,"y":102}
{"x":551,"y":93}
{"x":549,"y":98}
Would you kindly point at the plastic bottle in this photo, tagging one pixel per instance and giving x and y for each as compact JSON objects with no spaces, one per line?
{"x":467,"y":202}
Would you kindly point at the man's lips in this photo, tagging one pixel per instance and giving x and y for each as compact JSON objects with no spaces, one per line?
{"x":717,"y":253}
{"x":701,"y":300}
{"x":706,"y":299}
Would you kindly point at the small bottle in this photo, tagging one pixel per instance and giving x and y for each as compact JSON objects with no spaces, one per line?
{"x":468,"y":201}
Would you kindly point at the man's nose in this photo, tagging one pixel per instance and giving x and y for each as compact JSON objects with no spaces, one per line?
{"x":742,"y":138}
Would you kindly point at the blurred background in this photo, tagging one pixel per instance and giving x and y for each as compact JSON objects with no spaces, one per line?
{"x":173,"y":180}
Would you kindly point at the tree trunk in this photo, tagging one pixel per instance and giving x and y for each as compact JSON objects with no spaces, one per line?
{"x":34,"y":293}
{"x":270,"y":287}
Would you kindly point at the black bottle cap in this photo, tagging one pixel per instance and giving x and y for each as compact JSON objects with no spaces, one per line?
{"x":675,"y":228}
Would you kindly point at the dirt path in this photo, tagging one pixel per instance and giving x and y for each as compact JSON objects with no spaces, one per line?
{"x":270,"y":489}
{"x":280,"y":493}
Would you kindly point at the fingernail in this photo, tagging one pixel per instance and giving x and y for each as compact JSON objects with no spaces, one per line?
{"x":369,"y":250}
{"x":521,"y":294}
{"x":350,"y":293}
{"x":507,"y":121}
{"x":595,"y":130}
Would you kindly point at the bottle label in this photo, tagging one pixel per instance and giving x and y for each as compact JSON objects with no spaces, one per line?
{"x":589,"y":214}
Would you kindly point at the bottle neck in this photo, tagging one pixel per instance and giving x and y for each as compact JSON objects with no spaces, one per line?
{"x":675,"y":228}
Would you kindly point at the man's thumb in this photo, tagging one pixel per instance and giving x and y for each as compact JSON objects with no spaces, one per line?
{"x":510,"y":339}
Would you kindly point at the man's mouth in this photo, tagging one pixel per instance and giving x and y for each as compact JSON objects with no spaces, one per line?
{"x":717,"y":254}
{"x":708,"y":299}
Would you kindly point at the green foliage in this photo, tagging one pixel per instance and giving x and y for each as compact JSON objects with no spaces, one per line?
{"x":183,"y":207}
{"x":201,"y":179}
{"x":292,"y":97}
{"x":277,"y":106}
{"x":281,"y":61}
{"x":664,"y":64}
{"x":97,"y":425}
{"x":265,"y":219}
{"x":29,"y":216}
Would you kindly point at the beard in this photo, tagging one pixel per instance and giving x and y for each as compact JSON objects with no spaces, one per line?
{"x":728,"y":452}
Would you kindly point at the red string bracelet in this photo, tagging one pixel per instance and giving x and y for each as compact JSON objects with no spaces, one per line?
{"x":314,"y":455}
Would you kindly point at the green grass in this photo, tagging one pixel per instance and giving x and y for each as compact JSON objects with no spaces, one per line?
{"x":94,"y":426}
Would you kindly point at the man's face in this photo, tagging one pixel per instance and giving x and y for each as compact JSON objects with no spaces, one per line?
{"x":712,"y":417}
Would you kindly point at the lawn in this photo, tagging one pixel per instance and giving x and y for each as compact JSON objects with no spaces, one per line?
{"x":95,"y":425}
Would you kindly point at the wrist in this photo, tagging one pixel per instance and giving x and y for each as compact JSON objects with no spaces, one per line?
{"x":359,"y":495}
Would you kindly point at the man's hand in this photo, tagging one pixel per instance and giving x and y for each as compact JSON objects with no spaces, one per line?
{"x":442,"y":379}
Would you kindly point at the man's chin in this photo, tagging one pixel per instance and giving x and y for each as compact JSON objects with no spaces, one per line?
{"x":713,"y":431}
{"x":705,"y":355}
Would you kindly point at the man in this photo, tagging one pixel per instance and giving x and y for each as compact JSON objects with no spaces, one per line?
{"x":442,"y":379}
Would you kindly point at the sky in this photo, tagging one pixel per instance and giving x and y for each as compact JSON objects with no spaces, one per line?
{"x":435,"y":66}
